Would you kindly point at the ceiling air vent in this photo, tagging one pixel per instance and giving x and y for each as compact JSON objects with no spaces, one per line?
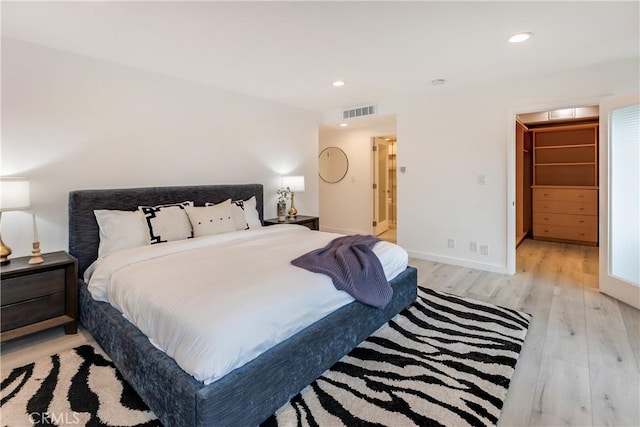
{"x":368,"y":110}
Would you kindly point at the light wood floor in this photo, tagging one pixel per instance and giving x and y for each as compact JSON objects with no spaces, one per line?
{"x":391,"y":235}
{"x":581,"y":360}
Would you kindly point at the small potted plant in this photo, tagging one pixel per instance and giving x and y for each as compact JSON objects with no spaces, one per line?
{"x":283,"y":196}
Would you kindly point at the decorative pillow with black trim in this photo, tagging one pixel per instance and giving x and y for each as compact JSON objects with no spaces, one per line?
{"x":251,"y":212}
{"x":167,"y":223}
{"x":237,"y":213}
{"x":207,"y":220}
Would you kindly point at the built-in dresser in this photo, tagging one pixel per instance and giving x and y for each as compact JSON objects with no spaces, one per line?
{"x":565,"y":179}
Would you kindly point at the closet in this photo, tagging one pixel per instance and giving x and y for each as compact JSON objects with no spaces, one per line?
{"x":565,"y":178}
{"x":557,"y":178}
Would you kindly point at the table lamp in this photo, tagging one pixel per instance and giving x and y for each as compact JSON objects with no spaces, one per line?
{"x":14,"y":196}
{"x":293,"y":184}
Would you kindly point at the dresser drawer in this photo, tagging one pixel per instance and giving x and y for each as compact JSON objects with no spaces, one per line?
{"x":566,"y":220}
{"x":32,"y":311}
{"x":565,"y":195}
{"x":581,"y":234}
{"x":573,"y":208}
{"x":23,"y":288}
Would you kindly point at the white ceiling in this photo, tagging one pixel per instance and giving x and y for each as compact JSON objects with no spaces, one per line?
{"x":291,"y":51}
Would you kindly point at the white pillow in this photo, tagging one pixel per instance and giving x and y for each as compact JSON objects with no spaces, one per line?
{"x":166,"y":223}
{"x":211,"y":219}
{"x":237,"y":213}
{"x":120,"y":230}
{"x":251,"y":213}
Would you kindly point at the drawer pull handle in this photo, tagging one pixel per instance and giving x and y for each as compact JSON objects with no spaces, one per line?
{"x":546,"y":219}
{"x":546,"y":194}
{"x":581,"y":209}
{"x":581,"y":221}
{"x":581,"y":196}
{"x":546,"y":230}
{"x":581,"y":234}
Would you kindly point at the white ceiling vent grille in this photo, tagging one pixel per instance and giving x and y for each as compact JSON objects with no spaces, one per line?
{"x":367,"y":110}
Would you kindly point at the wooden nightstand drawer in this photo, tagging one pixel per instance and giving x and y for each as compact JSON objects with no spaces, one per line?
{"x":588,"y":221}
{"x":565,"y":195}
{"x":32,"y":311}
{"x":36,"y":285}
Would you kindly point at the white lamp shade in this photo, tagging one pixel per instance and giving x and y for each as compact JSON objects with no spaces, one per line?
{"x":14,"y":194}
{"x":294,"y":183}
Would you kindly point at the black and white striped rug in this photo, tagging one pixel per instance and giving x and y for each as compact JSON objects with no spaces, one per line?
{"x":444,"y":361}
{"x":79,"y":387}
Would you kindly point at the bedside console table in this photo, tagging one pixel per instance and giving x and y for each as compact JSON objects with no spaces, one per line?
{"x":39,"y":296}
{"x":312,"y":222}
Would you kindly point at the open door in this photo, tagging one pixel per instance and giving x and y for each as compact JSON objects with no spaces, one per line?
{"x":380,"y":186}
{"x":620,"y":199}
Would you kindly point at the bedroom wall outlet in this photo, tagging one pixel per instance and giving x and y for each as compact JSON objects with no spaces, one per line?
{"x":482,"y":180}
{"x":484,"y":249}
{"x":451,"y":243}
{"x":473,"y":246}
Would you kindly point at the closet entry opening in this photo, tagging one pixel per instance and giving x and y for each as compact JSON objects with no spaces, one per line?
{"x":557,"y":178}
{"x":384,"y":187}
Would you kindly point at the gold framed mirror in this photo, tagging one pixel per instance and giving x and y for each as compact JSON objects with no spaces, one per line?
{"x":334,"y":165}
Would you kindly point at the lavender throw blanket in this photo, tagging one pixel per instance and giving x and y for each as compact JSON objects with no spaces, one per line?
{"x":353,"y":267}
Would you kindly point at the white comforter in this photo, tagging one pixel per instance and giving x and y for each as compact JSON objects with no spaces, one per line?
{"x":215,"y":303}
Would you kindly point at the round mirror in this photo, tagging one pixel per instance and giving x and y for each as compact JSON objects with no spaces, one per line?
{"x":333,"y":165}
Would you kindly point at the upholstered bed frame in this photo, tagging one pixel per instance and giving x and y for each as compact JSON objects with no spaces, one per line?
{"x":248,"y":395}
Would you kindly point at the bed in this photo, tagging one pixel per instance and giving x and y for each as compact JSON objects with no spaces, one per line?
{"x":247,"y":395}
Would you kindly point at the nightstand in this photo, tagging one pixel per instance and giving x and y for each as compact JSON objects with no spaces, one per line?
{"x":39,"y":296}
{"x":313,"y":222}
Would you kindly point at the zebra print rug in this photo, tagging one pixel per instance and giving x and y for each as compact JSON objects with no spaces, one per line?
{"x":77,"y":387}
{"x":444,"y":361}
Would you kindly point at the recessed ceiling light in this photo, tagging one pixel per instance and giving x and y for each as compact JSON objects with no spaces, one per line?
{"x":337,"y":83}
{"x":520,"y":37}
{"x":438,"y":82}
{"x":344,"y":125}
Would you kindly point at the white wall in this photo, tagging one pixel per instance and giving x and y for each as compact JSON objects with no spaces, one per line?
{"x":71,"y":122}
{"x":448,"y":138}
{"x":347,"y":206}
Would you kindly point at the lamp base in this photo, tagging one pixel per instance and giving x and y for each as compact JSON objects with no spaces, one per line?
{"x":293,"y":212}
{"x":5,"y":251}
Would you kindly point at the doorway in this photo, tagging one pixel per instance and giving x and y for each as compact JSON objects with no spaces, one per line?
{"x":385,"y":187}
{"x":557,"y":175}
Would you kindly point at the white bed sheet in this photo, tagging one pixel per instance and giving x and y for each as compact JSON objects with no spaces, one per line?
{"x":214,"y":303}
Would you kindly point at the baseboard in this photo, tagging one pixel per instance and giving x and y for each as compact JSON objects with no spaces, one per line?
{"x":485,"y":266}
{"x":342,"y":231}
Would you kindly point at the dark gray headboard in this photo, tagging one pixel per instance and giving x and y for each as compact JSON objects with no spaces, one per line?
{"x":84,"y":235}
